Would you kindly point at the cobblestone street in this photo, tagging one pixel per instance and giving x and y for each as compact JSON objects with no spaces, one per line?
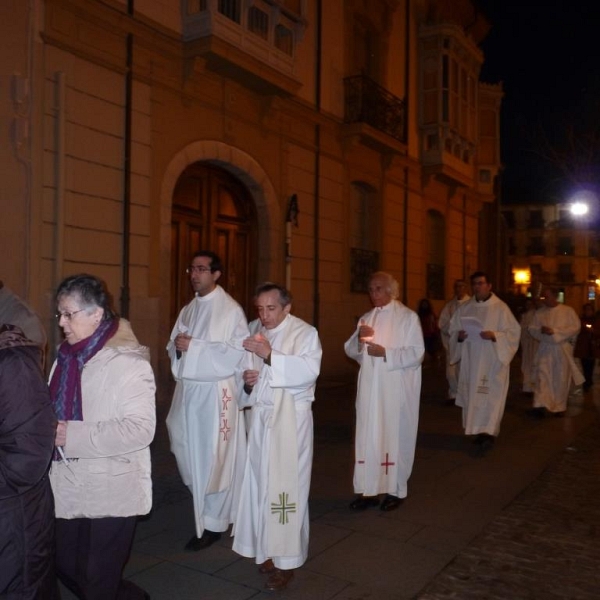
{"x":544,"y":545}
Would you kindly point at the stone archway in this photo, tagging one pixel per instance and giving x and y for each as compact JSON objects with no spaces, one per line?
{"x":270,"y":259}
{"x":252,"y":175}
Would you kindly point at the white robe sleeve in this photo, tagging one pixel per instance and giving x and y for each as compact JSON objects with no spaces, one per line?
{"x":353,"y":348}
{"x":507,"y":342}
{"x":208,"y":361}
{"x":566,"y":327}
{"x":455,"y":347}
{"x":299,"y":371}
{"x":444,"y":324}
{"x":535,"y":328}
{"x":410,"y":352}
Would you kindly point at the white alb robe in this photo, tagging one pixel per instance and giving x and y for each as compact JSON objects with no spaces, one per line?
{"x":295,"y":365}
{"x":529,"y":346}
{"x":484,"y":364}
{"x":452,"y":369}
{"x":205,"y":426}
{"x":387,"y":401}
{"x":554,"y":362}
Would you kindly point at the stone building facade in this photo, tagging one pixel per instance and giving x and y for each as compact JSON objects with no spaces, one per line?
{"x":307,"y":141}
{"x":547,"y":244}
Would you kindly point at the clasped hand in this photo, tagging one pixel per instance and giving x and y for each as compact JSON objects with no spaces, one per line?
{"x":364,"y":331}
{"x":484,"y":335}
{"x":61,"y":434}
{"x":257,"y":344}
{"x":182,"y":342}
{"x":250,"y":377}
{"x":375,"y":349}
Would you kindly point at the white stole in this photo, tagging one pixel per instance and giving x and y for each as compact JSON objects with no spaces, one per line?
{"x":226,"y":435}
{"x":283,"y":523}
{"x":283,"y":527}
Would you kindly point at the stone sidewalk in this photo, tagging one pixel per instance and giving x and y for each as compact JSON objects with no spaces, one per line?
{"x":545,"y":545}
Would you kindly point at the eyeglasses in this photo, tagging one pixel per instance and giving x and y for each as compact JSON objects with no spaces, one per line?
{"x":68,"y":315}
{"x":200,"y":269}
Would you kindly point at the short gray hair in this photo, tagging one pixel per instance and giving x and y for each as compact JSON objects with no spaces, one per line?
{"x":392,"y":286}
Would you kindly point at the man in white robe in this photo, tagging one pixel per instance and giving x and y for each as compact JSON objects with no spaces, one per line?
{"x":484,"y":337}
{"x":283,"y":363}
{"x":205,"y":425}
{"x":452,"y":369}
{"x":555,"y":326}
{"x":529,"y":346}
{"x":388,"y":346}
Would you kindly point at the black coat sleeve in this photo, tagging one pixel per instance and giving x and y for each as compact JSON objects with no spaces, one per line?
{"x":27,"y":421}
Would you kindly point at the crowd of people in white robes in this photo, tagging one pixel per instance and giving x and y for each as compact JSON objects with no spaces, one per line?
{"x":240,"y":422}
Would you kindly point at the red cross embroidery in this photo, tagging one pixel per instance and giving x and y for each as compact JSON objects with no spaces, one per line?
{"x":387,"y":463}
{"x":225,"y":429}
{"x":225,"y":399}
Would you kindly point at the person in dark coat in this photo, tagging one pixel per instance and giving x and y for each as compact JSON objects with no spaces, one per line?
{"x":429,"y":325}
{"x":27,"y":431}
{"x":587,"y":346}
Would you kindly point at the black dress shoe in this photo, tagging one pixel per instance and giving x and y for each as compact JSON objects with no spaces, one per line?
{"x":208,"y":539}
{"x":391,"y":503}
{"x":537,"y":413}
{"x":482,"y":444}
{"x":364,"y":502}
{"x":483,"y":439}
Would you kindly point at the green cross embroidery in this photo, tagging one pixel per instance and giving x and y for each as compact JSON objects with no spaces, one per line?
{"x":283,"y":508}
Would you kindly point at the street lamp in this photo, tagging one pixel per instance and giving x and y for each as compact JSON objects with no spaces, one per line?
{"x":584,"y":207}
{"x":579,"y":209}
{"x":584,"y":203}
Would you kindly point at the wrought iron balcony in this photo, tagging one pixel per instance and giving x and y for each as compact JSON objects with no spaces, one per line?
{"x":368,"y":102}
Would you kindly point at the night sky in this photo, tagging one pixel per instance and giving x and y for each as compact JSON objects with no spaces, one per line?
{"x":549,"y":61}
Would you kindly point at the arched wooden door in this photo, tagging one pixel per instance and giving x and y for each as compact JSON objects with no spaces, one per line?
{"x":212,"y":210}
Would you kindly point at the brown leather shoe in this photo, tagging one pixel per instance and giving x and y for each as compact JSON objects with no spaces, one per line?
{"x":266,"y":567}
{"x":278,"y":580}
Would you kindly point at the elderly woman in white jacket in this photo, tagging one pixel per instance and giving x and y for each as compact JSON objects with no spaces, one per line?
{"x":103,"y":392}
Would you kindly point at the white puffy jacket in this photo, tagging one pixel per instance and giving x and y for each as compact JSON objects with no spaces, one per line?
{"x":108,"y":471}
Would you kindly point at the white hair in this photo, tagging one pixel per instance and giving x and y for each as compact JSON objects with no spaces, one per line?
{"x":392,"y":286}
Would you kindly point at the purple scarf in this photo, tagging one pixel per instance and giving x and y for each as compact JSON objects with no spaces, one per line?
{"x":65,"y":385}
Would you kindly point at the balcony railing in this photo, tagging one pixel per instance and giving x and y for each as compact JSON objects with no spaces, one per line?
{"x":368,"y":102}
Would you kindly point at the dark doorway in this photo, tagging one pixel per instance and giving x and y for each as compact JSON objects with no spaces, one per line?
{"x":212,"y":210}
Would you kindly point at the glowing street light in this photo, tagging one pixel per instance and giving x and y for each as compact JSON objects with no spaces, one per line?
{"x":583,"y":203}
{"x":522,"y":276}
{"x":579,"y":209}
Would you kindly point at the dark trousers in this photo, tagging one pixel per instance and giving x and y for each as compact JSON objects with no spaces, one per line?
{"x":587,"y":365}
{"x":91,"y":555}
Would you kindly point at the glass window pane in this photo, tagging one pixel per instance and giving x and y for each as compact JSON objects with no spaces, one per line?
{"x":284,"y":39}
{"x":258,"y":22}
